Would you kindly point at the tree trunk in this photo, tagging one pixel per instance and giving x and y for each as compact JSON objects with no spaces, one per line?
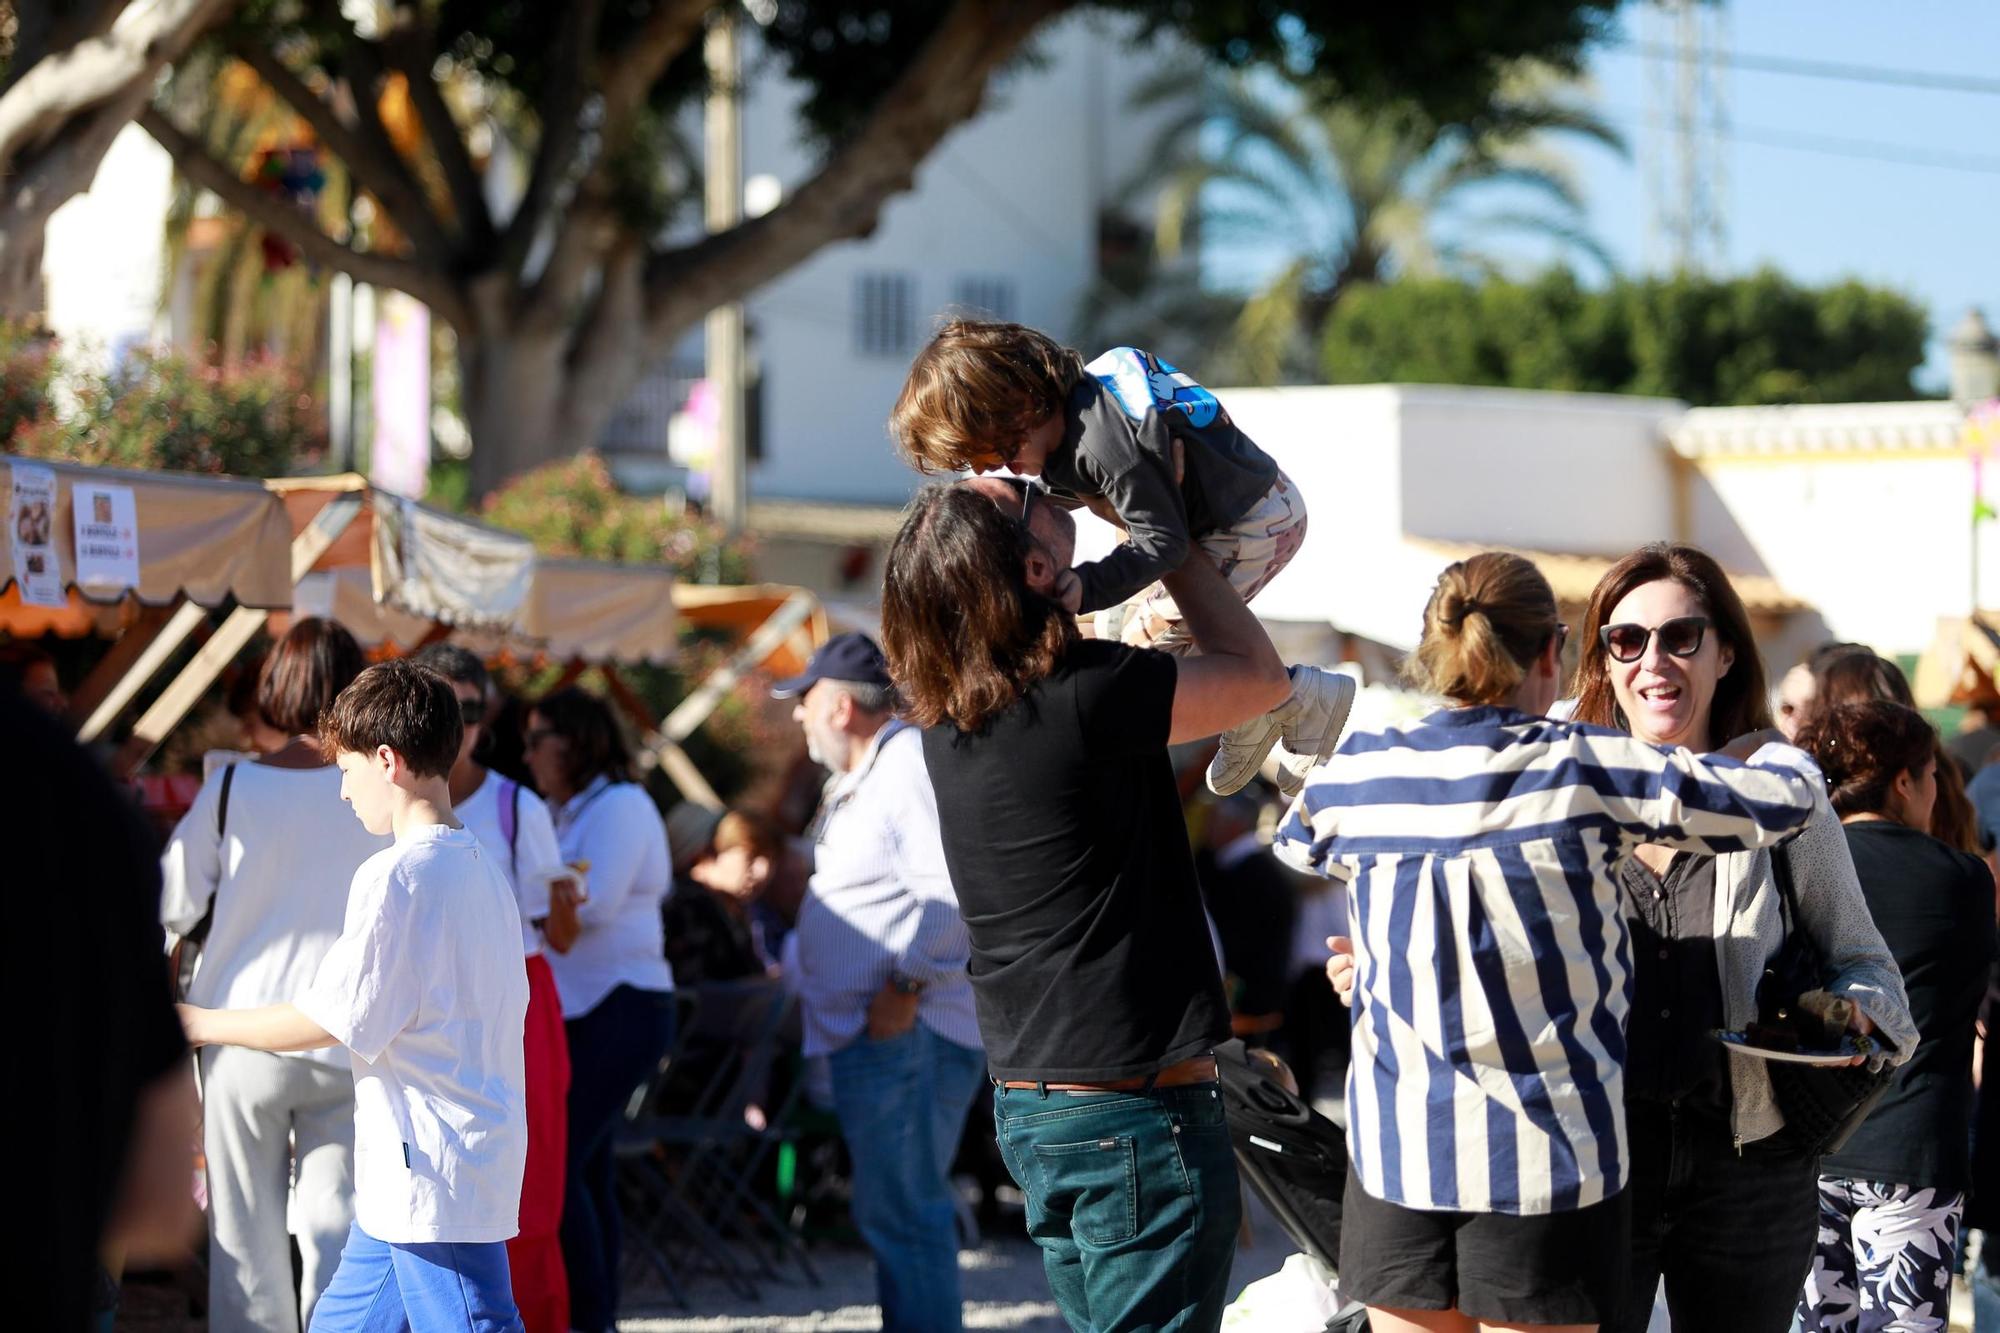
{"x":514,"y":388}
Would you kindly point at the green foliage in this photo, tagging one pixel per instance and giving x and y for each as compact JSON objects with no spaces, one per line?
{"x":572,"y":507}
{"x":1347,"y":193}
{"x":159,"y":411}
{"x":27,"y":374}
{"x":1762,"y":338}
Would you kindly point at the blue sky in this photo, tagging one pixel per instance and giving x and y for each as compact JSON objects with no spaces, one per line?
{"x":1929,"y":231}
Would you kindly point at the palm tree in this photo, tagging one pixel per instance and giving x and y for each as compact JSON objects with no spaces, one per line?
{"x":1258,"y":163}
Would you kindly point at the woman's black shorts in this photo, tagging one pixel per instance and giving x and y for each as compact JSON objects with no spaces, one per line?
{"x":1554,"y":1268}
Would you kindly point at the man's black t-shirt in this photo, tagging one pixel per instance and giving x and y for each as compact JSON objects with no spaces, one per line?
{"x":1934,"y":907}
{"x":1063,"y":832}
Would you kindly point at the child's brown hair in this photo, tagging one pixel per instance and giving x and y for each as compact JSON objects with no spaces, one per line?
{"x":976,"y":389}
{"x":409,"y":708}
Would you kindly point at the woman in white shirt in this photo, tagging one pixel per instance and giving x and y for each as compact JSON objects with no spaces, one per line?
{"x":267,"y":853}
{"x":616,"y":987}
{"x":516,"y":830}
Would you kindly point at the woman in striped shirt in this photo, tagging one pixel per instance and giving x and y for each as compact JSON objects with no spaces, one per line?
{"x":1485,"y":1121}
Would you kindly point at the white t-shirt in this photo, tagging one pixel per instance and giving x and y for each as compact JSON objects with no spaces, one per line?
{"x":278,"y":877}
{"x":533,"y":854}
{"x":617,"y":828}
{"x":426,"y":990}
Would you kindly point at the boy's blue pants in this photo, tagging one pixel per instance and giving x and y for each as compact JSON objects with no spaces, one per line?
{"x":439,"y":1287}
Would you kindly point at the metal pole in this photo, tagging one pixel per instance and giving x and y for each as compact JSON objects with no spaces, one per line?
{"x":723,"y":182}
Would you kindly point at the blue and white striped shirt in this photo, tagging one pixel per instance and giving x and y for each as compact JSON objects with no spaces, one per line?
{"x":1492,"y":974}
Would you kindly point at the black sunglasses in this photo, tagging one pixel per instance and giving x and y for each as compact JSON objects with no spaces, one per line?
{"x":1680,"y":637}
{"x":1027,"y":489}
{"x":471,"y":711}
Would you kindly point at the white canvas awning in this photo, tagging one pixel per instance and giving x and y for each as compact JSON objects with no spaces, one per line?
{"x":209,"y":539}
{"x":437,"y":566}
{"x":597,"y":612}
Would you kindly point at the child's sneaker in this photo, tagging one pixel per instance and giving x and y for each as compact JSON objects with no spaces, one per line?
{"x":1309,"y":722}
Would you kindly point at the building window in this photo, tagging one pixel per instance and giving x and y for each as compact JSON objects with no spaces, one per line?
{"x":885,"y":314}
{"x":990,"y":297}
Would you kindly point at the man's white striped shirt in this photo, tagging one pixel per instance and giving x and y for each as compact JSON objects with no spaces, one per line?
{"x":1493,"y":974}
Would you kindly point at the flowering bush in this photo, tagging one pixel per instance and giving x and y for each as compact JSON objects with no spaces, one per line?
{"x":27,"y":371}
{"x":161,"y":411}
{"x":572,"y":507}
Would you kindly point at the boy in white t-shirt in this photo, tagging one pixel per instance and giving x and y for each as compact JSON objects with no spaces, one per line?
{"x":425,"y":989}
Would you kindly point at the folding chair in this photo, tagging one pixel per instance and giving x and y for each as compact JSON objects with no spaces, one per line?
{"x":716,"y":1153}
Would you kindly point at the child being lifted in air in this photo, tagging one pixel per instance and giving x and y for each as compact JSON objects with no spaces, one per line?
{"x":1147,"y":448}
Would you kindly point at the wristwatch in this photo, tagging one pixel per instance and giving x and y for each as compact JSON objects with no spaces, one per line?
{"x":903,"y":985}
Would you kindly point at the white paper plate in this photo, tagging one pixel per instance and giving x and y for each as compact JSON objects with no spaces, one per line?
{"x":1737,"y":1041}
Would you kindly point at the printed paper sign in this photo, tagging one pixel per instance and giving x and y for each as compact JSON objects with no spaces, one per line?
{"x":31,"y":523}
{"x":107,"y":538}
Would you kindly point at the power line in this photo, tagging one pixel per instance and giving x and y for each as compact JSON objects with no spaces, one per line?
{"x":1933,"y":80}
{"x":1873,"y":150}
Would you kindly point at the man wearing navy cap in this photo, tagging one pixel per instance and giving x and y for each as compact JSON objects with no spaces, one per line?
{"x":882,"y":983}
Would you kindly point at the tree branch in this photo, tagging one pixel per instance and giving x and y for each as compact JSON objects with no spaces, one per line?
{"x":376,"y":166}
{"x":45,"y":97}
{"x":429,"y":284}
{"x":561,"y":120}
{"x":671,"y":28}
{"x":414,"y":52}
{"x":940,"y":90}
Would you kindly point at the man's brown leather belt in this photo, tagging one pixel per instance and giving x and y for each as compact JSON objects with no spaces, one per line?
{"x":1197,"y":1069}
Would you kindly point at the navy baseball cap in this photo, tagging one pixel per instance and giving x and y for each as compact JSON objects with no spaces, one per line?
{"x":849,"y":657}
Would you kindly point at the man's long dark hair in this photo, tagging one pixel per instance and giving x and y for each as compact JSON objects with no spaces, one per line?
{"x":964,"y":633}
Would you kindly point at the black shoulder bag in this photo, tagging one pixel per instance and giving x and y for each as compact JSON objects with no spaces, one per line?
{"x":1822,"y":1104}
{"x":187,"y":949}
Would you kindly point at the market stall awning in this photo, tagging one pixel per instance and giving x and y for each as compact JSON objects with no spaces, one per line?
{"x":595,"y":612}
{"x":437,"y":566}
{"x":207,"y":538}
{"x":1961,"y":667}
{"x":576,"y":610}
{"x":738,"y":613}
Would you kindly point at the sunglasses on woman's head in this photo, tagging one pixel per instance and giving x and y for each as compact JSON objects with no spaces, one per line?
{"x":1679,"y":637}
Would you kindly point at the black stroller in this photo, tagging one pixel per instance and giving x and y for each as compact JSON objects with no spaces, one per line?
{"x":1294,"y":1157}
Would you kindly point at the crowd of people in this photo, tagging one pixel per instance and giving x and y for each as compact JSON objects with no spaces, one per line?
{"x":1524,"y":924}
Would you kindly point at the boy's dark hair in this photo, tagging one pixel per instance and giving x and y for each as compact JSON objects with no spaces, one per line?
{"x":458,"y":665}
{"x":975,"y":389}
{"x":304,"y":673}
{"x":407,"y":707}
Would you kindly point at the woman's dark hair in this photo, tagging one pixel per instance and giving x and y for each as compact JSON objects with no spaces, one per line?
{"x":1863,"y":746}
{"x":964,"y":633}
{"x":1742,"y":700}
{"x":1486,"y":621}
{"x":457,"y":664}
{"x":305,"y":673}
{"x":1855,"y":674}
{"x":596,"y":742}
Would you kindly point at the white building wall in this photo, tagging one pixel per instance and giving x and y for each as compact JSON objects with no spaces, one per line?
{"x":1585,"y":474}
{"x":104,"y":252}
{"x":1013,"y":196}
{"x":1881,"y":546}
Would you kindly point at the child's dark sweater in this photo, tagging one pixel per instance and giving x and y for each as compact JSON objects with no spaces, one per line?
{"x":1120,"y":424}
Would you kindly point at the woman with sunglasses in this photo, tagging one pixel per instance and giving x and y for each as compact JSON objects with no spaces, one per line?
{"x":616,"y":987}
{"x":1491,"y":967}
{"x":1724,"y":1210}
